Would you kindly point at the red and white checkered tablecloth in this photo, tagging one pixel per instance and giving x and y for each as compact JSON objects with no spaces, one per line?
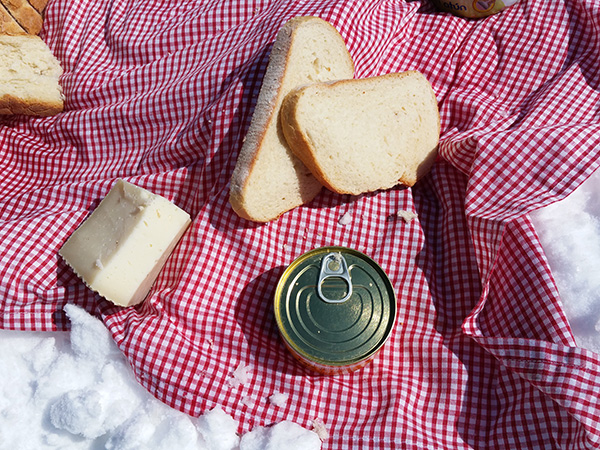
{"x":161,"y":93}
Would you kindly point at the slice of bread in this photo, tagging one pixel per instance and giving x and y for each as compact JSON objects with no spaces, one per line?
{"x":269,"y":179}
{"x":29,"y":77}
{"x":364,"y":135}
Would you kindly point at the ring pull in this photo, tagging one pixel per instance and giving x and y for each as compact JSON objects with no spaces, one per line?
{"x":334,"y":266}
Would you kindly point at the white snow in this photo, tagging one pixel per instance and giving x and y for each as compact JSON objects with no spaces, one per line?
{"x":283,"y":435}
{"x":570,"y":233}
{"x":76,"y":390}
{"x":239,"y":376}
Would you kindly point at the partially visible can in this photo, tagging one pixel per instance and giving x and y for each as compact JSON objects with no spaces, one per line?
{"x":335,"y":308}
{"x":473,"y":9}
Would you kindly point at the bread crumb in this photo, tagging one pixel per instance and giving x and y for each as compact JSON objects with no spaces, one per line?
{"x":407,"y":216}
{"x":248,"y":401}
{"x":345,"y":219}
{"x":320,"y":428}
{"x":278,"y":399}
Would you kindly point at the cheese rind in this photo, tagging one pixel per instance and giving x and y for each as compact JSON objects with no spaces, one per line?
{"x":121,"y":247}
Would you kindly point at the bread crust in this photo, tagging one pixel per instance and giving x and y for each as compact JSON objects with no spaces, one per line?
{"x":21,"y":16}
{"x":297,"y":140}
{"x":303,"y":146}
{"x":10,"y":105}
{"x":265,"y":119}
{"x":39,"y":5}
{"x":263,"y":116}
{"x":27,"y":99}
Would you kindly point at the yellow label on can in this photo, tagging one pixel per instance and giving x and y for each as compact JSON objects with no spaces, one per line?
{"x":473,"y":9}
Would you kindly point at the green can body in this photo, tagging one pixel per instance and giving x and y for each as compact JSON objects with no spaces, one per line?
{"x":335,"y":308}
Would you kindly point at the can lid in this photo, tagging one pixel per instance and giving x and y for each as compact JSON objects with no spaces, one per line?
{"x":335,"y":306}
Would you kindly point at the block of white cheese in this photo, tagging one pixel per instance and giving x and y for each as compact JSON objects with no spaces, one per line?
{"x":121,"y":247}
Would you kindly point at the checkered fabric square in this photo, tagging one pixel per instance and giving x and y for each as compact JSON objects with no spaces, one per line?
{"x":161,"y":93}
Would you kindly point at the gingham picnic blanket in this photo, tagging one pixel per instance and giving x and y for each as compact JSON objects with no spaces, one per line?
{"x":160,"y":93}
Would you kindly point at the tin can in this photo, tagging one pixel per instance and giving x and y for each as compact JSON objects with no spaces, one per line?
{"x":473,"y":9}
{"x":335,"y":308}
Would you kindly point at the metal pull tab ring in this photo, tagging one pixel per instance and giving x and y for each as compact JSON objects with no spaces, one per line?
{"x":333,"y":265}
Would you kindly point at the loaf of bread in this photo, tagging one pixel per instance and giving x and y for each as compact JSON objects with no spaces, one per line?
{"x":21,"y":16}
{"x":269,"y":179}
{"x":29,"y":77}
{"x":363,"y":135}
